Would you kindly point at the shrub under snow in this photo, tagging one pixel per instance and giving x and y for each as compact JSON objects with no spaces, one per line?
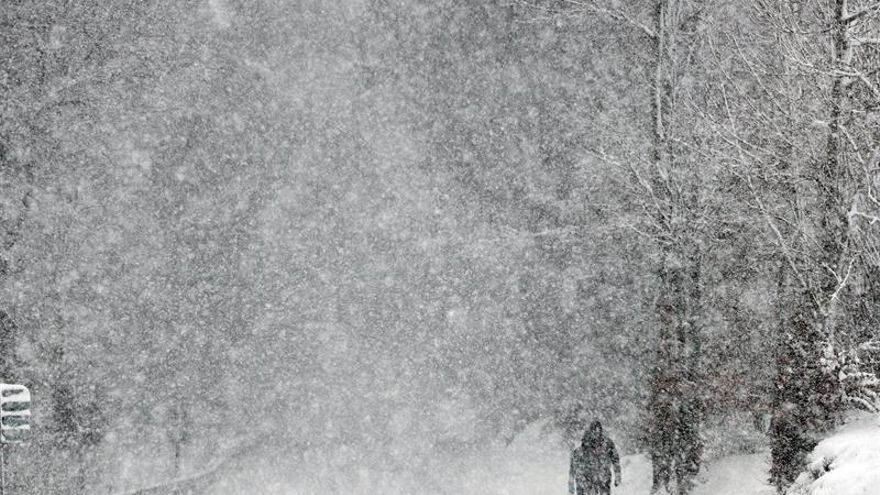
{"x":846,"y":463}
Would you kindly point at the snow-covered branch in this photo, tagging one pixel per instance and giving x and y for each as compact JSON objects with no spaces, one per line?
{"x":616,"y":14}
{"x":871,"y":9}
{"x":841,"y":281}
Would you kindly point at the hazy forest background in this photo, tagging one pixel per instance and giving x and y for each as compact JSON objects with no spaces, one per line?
{"x":302,"y":229}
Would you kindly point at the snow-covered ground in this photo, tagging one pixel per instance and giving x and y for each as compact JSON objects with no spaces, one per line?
{"x":735,"y":475}
{"x":534,"y":464}
{"x":846,"y":463}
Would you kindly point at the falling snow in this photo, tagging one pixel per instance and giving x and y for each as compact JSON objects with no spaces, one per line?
{"x":419,"y":247}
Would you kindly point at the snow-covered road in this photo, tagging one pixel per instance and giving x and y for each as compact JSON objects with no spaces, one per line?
{"x":735,"y":475}
{"x":534,"y":464}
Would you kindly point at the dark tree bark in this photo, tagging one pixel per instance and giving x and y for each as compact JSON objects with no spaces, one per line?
{"x":674,"y":408}
{"x":806,"y":399}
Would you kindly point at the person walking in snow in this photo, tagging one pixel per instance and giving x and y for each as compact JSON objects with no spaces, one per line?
{"x":592,"y":462}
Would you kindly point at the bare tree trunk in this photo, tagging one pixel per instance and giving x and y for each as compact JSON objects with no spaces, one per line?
{"x":806,"y":400}
{"x":663,"y":386}
{"x":674,"y":406}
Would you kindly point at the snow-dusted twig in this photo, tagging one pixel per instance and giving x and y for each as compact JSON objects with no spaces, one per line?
{"x":841,"y":282}
{"x":872,"y":219}
{"x":873,"y":8}
{"x":616,"y":14}
{"x":780,"y":239}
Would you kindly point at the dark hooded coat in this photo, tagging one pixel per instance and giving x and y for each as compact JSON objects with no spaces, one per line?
{"x":592,"y":463}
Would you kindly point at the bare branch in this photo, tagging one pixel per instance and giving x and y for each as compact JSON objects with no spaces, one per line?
{"x":841,"y":282}
{"x":616,"y":14}
{"x":872,"y":219}
{"x":871,"y":9}
{"x":780,"y":240}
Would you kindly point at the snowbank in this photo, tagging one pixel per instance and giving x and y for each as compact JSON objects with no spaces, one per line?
{"x":847,"y":463}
